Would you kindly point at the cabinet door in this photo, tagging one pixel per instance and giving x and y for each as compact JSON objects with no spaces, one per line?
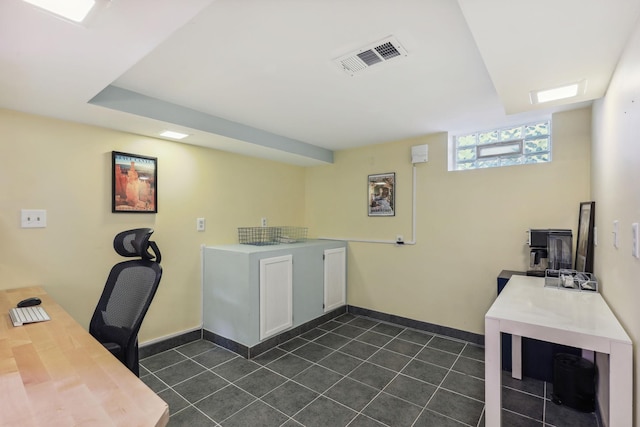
{"x":276,"y":295}
{"x":335,"y":278}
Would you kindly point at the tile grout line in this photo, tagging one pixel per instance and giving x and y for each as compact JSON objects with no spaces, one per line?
{"x":322,"y":394}
{"x":360,"y":412}
{"x":190,"y":404}
{"x":362,"y":361}
{"x":292,"y":380}
{"x":438,"y":387}
{"x":392,"y":337}
{"x":398,"y":372}
{"x":207,"y":369}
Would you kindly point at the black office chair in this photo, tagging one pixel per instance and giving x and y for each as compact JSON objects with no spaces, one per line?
{"x":126,"y":297}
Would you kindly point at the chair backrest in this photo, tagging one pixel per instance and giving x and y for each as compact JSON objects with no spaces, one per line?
{"x":136,"y":243}
{"x":129,"y":290}
{"x":128,"y":293}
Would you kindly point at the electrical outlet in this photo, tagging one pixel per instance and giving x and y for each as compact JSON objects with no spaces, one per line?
{"x":33,"y":218}
{"x":263,"y":222}
{"x":200,"y":224}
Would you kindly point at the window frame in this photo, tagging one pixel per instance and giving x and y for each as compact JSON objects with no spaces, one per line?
{"x":500,"y":159}
{"x":519,"y":142}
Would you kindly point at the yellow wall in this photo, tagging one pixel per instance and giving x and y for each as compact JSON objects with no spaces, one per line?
{"x":615,"y":178}
{"x":65,"y":168}
{"x":470,"y":224}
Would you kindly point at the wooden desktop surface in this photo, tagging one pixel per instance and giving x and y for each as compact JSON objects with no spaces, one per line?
{"x":55,"y":373}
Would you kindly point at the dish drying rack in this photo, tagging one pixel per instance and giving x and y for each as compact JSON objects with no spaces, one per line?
{"x":263,"y":236}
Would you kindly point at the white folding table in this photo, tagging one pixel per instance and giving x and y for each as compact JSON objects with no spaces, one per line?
{"x":526,"y":308}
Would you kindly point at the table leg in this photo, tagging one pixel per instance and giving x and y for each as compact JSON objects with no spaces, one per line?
{"x":516,"y":356}
{"x":620,"y":385}
{"x":492,"y":373}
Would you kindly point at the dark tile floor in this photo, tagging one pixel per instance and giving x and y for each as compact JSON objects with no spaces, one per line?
{"x":352,"y":371}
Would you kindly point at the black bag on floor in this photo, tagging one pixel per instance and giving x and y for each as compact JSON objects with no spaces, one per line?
{"x":574,"y":382}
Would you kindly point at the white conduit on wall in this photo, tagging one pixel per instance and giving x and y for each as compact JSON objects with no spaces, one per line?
{"x":391,"y":242}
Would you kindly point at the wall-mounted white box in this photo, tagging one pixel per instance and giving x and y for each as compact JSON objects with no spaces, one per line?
{"x":419,"y":153}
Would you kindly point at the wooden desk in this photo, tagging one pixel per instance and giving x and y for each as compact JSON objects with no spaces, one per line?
{"x":56,"y":374}
{"x":578,"y":319}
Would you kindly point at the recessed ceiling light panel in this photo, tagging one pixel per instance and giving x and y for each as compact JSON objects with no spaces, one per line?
{"x":74,"y":10}
{"x":562,"y":92}
{"x":174,"y":135}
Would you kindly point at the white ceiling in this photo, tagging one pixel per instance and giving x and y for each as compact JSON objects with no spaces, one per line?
{"x":261,"y":73}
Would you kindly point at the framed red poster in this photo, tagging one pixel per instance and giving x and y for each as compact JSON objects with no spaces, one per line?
{"x":134,"y":183}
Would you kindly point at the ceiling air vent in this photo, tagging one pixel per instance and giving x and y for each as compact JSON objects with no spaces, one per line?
{"x":375,"y":53}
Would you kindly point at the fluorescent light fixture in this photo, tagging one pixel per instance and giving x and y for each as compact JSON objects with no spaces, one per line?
{"x":174,"y":135}
{"x":74,"y":10}
{"x":561,"y":92}
{"x":558,"y":93}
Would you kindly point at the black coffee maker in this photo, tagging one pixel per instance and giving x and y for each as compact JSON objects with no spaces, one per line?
{"x":549,"y":249}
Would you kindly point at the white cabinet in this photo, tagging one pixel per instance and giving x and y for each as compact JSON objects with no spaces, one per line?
{"x":276,"y":295}
{"x":335,"y":278}
{"x":252,"y":293}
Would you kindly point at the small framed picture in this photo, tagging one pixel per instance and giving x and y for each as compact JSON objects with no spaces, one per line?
{"x":382,"y":194}
{"x":134,"y":183}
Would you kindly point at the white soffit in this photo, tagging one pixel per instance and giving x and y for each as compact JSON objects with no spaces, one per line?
{"x":544,"y":44}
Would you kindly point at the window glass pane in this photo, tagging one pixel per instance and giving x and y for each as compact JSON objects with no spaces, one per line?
{"x":499,"y":150}
{"x":511,"y":133}
{"x":538,"y":158}
{"x":465,"y":166}
{"x":509,"y":161}
{"x":467,"y":140}
{"x":466,"y":154}
{"x":536,"y":145}
{"x":487,"y":163}
{"x":538,"y":129}
{"x":513,"y":145}
{"x":488,"y":137}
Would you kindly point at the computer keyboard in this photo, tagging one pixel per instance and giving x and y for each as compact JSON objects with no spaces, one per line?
{"x":20,"y":316}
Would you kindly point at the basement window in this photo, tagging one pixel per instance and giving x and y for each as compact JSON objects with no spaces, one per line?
{"x":515,"y":145}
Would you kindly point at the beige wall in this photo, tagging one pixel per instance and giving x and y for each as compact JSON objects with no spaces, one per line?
{"x":615,"y":178}
{"x":65,"y":168}
{"x":470,"y":224}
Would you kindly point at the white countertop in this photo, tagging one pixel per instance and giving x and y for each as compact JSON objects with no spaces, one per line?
{"x":526,"y":300}
{"x":247,"y":248}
